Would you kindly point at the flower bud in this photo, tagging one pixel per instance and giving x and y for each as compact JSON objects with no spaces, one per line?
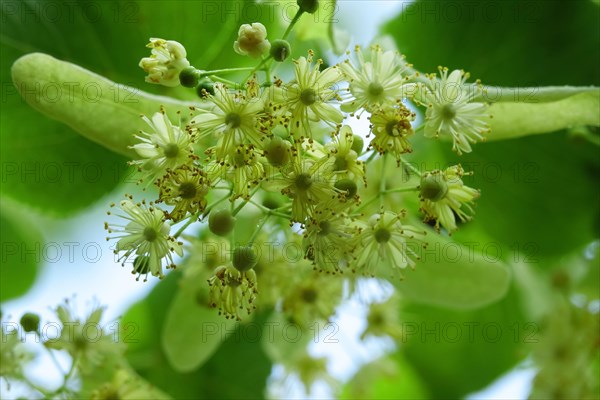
{"x":308,"y":6}
{"x":252,"y":40}
{"x":188,"y":77}
{"x":141,"y":265}
{"x":433,"y":186}
{"x":357,"y":144}
{"x":205,"y":87}
{"x":280,"y":50}
{"x":347,"y":186}
{"x":277,"y":151}
{"x":30,"y":322}
{"x":168,"y":59}
{"x":272,"y":201}
{"x":221,"y":222}
{"x":244,"y":258}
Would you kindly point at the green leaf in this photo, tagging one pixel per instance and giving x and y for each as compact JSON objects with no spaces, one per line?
{"x":277,"y":344}
{"x":456,"y":276}
{"x":240,"y":368}
{"x":21,"y":251}
{"x":507,"y":43}
{"x":143,"y":322}
{"x":46,"y":165}
{"x":456,"y":353}
{"x":537,"y":195}
{"x":494,"y":94}
{"x":200,"y":328}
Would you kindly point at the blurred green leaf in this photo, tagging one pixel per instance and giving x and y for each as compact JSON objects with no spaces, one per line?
{"x":455,"y":276}
{"x":322,"y":27}
{"x":21,"y":251}
{"x":240,"y":368}
{"x":192,"y":332}
{"x":277,"y":345}
{"x":46,"y":165}
{"x":538,"y":195}
{"x":457,"y":353}
{"x":386,"y":378}
{"x":508,"y":43}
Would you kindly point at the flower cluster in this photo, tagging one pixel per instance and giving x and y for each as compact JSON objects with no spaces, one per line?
{"x":98,"y":368}
{"x":284,"y":155}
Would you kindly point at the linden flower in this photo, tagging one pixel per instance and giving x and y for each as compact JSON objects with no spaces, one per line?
{"x":165,"y":63}
{"x":146,"y":236}
{"x":13,"y":354}
{"x":378,"y":82}
{"x":127,"y":385}
{"x":338,"y":155}
{"x":92,"y":350}
{"x":307,"y":97}
{"x":252,"y":40}
{"x":451,"y":112}
{"x":309,"y":370}
{"x":234,"y":119}
{"x":311,"y":296}
{"x":385,"y":241}
{"x":383,"y":320}
{"x":392,"y":128}
{"x":166,"y":147}
{"x":232,"y":290}
{"x":444,"y":196}
{"x":328,"y":242}
{"x":243,"y":170}
{"x":568,"y":346}
{"x":186,"y":189}
{"x":306,"y":184}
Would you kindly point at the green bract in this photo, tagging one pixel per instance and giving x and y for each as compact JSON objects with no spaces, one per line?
{"x":108,"y":114}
